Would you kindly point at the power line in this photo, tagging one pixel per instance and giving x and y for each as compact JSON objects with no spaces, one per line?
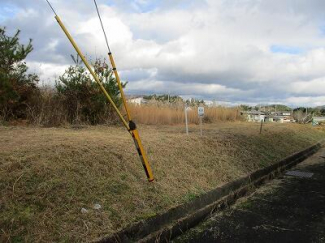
{"x":101,"y":23}
{"x":51,"y":7}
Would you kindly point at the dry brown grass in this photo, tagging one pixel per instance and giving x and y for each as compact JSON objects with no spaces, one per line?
{"x":48,"y":174}
{"x":155,"y":114}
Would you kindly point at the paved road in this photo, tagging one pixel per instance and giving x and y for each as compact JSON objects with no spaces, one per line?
{"x":287,"y":209}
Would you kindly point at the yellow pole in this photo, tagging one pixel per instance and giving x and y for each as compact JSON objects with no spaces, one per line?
{"x":119,"y":85}
{"x":131,"y":127}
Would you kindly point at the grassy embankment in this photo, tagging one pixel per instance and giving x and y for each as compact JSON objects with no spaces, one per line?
{"x":48,"y":174}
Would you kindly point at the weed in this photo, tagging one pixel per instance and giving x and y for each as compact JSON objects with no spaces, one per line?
{"x":190,"y":196}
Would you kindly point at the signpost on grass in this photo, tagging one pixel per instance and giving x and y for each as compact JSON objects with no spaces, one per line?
{"x":200,"y":112}
{"x":186,"y":123}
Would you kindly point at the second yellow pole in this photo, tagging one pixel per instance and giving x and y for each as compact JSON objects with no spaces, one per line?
{"x":133,"y":128}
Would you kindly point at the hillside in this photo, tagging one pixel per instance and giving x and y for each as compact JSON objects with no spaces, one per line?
{"x":47,"y":175}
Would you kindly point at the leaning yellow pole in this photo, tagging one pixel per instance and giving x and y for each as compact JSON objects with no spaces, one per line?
{"x":131,"y":127}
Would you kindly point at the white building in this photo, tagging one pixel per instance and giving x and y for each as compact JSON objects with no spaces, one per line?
{"x":137,"y":101}
{"x":254,"y":116}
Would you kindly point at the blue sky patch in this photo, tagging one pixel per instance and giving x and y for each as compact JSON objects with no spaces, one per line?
{"x":286,"y":49}
{"x":148,"y":6}
{"x":145,"y":6}
{"x":141,"y":6}
{"x":322,"y":30}
{"x":7,"y":11}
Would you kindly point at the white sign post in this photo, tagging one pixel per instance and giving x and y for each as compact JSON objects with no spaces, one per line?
{"x":186,"y":124}
{"x":200,"y":112}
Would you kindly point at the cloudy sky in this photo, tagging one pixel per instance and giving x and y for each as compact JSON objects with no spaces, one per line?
{"x":239,"y":51}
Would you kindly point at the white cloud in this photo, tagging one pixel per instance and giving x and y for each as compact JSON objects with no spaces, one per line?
{"x":212,"y":49}
{"x":306,"y":101}
{"x":47,"y":71}
{"x":313,"y":87}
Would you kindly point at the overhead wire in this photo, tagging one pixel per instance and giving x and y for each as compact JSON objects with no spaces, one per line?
{"x":101,"y":23}
{"x":128,"y":114}
{"x":51,"y":7}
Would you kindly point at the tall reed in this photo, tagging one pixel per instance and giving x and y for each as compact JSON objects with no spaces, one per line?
{"x":154,"y":114}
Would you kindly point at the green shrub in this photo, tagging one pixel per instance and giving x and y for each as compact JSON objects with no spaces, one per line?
{"x":82,"y":97}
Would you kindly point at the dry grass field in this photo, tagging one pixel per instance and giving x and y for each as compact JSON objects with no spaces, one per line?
{"x":47,"y":175}
{"x":164,"y":114}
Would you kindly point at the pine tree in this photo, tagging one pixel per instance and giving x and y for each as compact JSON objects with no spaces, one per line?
{"x":17,"y":88}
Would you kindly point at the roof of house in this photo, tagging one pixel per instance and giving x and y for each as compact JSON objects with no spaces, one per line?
{"x":253,"y":112}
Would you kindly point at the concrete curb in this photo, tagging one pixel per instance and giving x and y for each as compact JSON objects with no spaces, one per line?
{"x":166,"y":226}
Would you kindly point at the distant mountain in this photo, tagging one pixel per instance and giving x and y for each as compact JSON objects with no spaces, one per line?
{"x":279,"y":107}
